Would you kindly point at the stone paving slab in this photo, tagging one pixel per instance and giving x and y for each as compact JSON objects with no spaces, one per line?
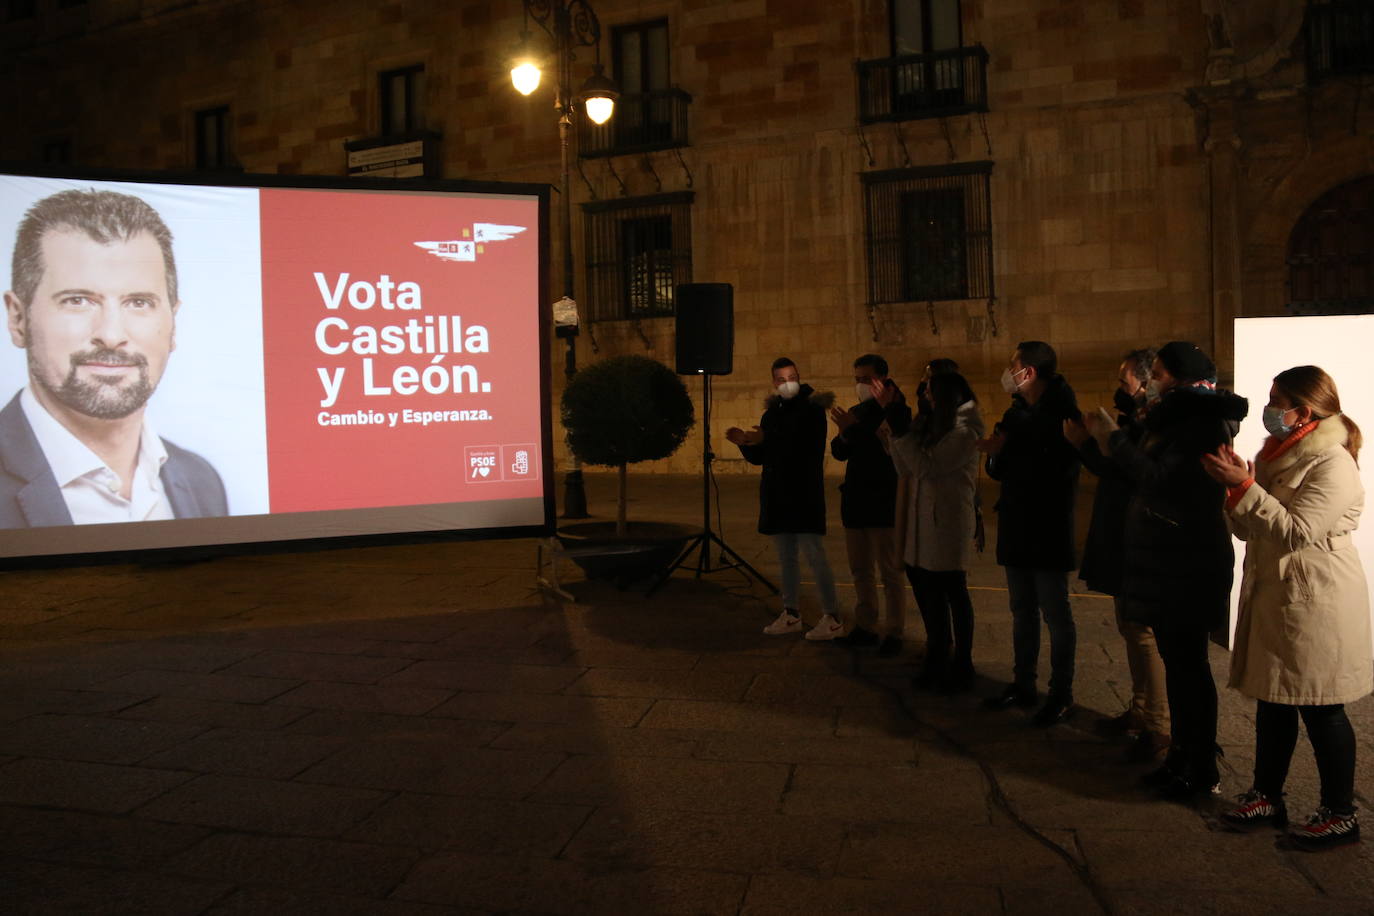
{"x":513,"y":883}
{"x":470,"y":824}
{"x":787,"y":895}
{"x":93,"y":738}
{"x":615,"y":742}
{"x":257,"y":902}
{"x":667,"y":782}
{"x":236,"y":752}
{"x":363,"y":697}
{"x":485,"y":677}
{"x":213,"y":713}
{"x":435,"y":767}
{"x":300,"y":863}
{"x":385,"y":727}
{"x":722,"y":842}
{"x":314,"y":666}
{"x":269,"y":806}
{"x":944,"y":793}
{"x":42,"y":889}
{"x":672,"y":684}
{"x":602,"y":712}
{"x":76,"y":837}
{"x":80,"y":786}
{"x":17,"y":702}
{"x":224,"y":687}
{"x":779,"y":719}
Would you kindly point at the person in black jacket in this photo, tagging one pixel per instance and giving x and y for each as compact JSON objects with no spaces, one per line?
{"x":789,"y":443}
{"x":1178,"y":556}
{"x":1146,"y":720}
{"x":1038,"y":470}
{"x":868,"y":508}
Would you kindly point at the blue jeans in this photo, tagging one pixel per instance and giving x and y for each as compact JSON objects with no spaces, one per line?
{"x":787,"y":545}
{"x":1036,"y":592}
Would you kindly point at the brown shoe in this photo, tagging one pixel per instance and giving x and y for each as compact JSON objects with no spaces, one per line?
{"x":1127,"y":724}
{"x":1147,"y":747}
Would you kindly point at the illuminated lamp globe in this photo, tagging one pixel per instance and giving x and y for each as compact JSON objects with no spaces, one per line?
{"x":599,"y":93}
{"x":525,"y":76}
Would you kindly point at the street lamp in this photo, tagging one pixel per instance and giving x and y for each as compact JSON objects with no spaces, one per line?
{"x":571,"y":24}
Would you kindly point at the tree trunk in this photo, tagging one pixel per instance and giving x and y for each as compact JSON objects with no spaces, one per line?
{"x":620,"y":505}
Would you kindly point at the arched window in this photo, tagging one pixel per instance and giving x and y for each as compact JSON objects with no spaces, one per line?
{"x":1331,"y":253}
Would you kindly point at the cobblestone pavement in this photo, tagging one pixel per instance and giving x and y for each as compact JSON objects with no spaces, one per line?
{"x":416,"y":729}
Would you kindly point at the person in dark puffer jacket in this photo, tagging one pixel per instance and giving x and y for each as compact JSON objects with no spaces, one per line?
{"x":1179,"y":559}
{"x":1038,"y":470}
{"x":789,"y":443}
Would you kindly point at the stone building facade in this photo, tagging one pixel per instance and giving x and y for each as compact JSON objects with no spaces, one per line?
{"x":1100,"y":174}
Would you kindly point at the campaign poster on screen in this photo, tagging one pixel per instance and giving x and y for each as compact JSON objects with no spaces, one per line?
{"x":192,"y":364}
{"x":397,"y":371}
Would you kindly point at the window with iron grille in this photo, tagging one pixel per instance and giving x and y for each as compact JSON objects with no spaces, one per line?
{"x":212,"y":138}
{"x":929,"y":73}
{"x":929,"y":233}
{"x":638,"y":251}
{"x":1331,"y":253}
{"x":1340,"y":38}
{"x":401,"y":93}
{"x":923,"y":27}
{"x":640,"y":61}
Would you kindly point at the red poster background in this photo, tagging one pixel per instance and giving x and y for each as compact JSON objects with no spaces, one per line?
{"x":313,"y":466}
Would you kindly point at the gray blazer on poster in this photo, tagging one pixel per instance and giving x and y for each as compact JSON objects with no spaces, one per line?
{"x":31,"y":498}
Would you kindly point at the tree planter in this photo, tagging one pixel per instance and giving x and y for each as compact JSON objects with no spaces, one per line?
{"x":645,"y":549}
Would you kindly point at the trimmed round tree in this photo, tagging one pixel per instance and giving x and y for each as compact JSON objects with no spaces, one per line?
{"x":623,"y":410}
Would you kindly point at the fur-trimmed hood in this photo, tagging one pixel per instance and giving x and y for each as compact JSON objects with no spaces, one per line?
{"x":1179,"y":405}
{"x":1330,"y":433}
{"x":822,"y":399}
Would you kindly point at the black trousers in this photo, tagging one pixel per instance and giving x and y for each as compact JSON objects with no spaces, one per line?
{"x":947,"y":612}
{"x":1192,"y":697}
{"x":1333,"y":742}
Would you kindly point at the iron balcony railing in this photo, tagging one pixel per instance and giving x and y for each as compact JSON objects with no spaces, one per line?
{"x":642,"y":122}
{"x":930,"y":85}
{"x":1340,"y":38}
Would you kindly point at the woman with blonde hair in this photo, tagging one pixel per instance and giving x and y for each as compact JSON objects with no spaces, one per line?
{"x":1302,"y":646}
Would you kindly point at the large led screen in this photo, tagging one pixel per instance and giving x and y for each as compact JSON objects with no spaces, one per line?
{"x":211,"y":364}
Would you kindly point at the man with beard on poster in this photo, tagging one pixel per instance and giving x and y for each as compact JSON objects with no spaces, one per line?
{"x":93,"y":304}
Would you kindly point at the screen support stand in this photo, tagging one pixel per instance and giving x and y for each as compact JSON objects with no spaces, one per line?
{"x":707,"y":537}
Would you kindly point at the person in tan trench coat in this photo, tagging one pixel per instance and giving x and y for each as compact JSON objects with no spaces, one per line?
{"x":1302,"y":645}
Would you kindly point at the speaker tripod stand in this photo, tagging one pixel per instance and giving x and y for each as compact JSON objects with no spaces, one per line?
{"x":707,"y":538}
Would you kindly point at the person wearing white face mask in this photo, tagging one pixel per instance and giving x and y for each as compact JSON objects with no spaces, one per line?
{"x":789,"y":443}
{"x":1038,"y":471}
{"x":1302,"y":646}
{"x":868,"y":508}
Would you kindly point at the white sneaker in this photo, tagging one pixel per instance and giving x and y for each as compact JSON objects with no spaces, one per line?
{"x":828,"y":628}
{"x":787,"y":622}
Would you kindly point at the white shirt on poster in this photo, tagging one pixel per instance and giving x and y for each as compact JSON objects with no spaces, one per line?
{"x":89,"y":486}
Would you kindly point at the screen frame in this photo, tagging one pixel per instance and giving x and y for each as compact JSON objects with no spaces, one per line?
{"x":198,"y":552}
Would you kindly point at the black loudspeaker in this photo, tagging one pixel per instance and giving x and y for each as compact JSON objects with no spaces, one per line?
{"x":705,"y":328}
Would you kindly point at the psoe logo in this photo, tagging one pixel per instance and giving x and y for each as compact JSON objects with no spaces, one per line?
{"x":472,"y":243}
{"x":481,"y":462}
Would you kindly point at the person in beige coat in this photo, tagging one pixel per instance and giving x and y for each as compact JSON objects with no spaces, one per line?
{"x":940,"y":456}
{"x":1302,"y":646}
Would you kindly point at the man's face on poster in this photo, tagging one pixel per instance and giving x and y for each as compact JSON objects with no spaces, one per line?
{"x":100,"y":327}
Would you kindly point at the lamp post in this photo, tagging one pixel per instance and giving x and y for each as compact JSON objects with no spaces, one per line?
{"x":571,"y":24}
